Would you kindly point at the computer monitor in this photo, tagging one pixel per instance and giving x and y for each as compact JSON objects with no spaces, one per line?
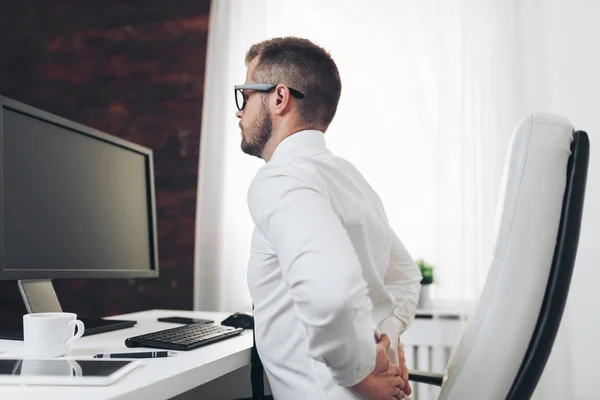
{"x":74,"y":203}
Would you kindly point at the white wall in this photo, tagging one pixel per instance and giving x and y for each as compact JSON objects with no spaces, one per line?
{"x":562,"y":75}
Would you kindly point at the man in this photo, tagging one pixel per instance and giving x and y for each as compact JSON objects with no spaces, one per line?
{"x":332,"y":285}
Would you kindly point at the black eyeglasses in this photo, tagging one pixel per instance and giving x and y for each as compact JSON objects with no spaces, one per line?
{"x":240,"y":99}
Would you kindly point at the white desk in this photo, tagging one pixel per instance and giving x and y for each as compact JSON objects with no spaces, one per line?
{"x":159,"y":378}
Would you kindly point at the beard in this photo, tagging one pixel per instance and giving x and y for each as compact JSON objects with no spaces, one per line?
{"x":256,"y":137}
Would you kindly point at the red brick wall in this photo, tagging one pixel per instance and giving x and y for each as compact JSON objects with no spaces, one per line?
{"x":134,"y":69}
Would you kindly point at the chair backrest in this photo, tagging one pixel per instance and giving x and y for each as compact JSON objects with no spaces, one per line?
{"x":506,"y":343}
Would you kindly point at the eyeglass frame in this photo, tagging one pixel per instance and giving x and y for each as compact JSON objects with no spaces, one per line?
{"x":260,"y":87}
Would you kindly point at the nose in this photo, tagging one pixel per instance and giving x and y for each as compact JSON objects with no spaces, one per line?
{"x":239,"y":114}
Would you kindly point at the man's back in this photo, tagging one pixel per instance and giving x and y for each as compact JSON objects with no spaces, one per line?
{"x":325,"y":272}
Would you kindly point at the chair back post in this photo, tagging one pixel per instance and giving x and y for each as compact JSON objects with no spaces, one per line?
{"x":559,"y":281}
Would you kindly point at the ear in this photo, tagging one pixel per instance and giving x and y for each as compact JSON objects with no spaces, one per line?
{"x":282,"y":99}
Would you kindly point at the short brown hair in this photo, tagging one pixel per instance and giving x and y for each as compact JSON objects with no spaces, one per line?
{"x":304,"y":66}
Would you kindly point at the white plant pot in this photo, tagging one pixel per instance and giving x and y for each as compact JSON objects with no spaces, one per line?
{"x":425,"y":297}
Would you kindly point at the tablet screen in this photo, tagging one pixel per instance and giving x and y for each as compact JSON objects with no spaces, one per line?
{"x":61,"y":367}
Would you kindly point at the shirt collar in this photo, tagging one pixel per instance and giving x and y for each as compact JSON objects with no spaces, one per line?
{"x":307,"y":139}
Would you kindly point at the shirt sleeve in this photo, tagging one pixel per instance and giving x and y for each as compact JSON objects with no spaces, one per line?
{"x":403,"y":281}
{"x":321,"y":269}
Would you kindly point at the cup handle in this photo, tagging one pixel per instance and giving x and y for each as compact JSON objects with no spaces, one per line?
{"x":80,"y":330}
{"x":75,"y":368}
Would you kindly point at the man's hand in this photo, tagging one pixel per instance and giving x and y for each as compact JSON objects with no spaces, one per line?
{"x":385,"y":382}
{"x":403,"y":369}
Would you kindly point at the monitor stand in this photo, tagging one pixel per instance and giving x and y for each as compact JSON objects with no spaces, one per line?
{"x":39,"y":296}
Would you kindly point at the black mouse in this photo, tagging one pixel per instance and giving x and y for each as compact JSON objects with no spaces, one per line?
{"x":239,"y":320}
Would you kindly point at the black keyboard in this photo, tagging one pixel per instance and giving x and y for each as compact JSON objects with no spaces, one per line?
{"x":184,"y":338}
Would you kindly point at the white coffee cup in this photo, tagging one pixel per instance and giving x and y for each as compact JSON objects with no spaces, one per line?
{"x":50,"y":334}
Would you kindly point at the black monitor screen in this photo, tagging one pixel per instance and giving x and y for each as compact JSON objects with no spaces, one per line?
{"x":72,"y":202}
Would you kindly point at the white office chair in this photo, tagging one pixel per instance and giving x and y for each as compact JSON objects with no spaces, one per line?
{"x":507,"y":341}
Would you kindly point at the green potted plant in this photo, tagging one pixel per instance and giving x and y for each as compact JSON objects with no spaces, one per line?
{"x":427,"y":274}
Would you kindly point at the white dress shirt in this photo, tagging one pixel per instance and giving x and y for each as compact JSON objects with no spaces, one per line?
{"x":325,"y":272}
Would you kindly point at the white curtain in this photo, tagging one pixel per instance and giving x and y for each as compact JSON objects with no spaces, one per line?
{"x":431,"y":94}
{"x":561,"y":67}
{"x":223,"y":225}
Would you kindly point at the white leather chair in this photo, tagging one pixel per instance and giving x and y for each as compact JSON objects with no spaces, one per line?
{"x":507,"y":341}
